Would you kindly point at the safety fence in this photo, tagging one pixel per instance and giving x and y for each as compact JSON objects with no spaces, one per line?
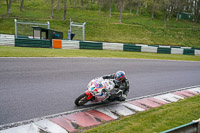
{"x":10,"y":40}
{"x":192,"y":127}
{"x":66,"y":44}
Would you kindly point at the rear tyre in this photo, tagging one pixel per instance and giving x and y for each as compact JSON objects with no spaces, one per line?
{"x":81,"y":100}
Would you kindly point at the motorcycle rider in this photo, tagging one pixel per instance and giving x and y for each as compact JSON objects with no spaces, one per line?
{"x":121,"y":82}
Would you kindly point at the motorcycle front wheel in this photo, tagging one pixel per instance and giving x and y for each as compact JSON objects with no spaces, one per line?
{"x":81,"y":100}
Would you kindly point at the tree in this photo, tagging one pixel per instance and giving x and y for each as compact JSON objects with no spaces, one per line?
{"x":153,"y":10}
{"x":130,"y":5}
{"x":65,"y":9}
{"x":75,"y":3}
{"x":179,"y":6}
{"x":143,"y":4}
{"x":100,"y":5}
{"x":121,"y":7}
{"x":81,"y":4}
{"x":9,"y":2}
{"x":58,"y":4}
{"x":139,"y":3}
{"x":196,"y":9}
{"x":22,"y":5}
{"x":166,"y":9}
{"x":51,"y":9}
{"x":110,"y":8}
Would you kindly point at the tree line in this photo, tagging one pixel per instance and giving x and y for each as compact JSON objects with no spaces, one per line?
{"x":164,"y":8}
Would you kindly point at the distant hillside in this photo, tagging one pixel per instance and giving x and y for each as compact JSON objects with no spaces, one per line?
{"x":140,"y":28}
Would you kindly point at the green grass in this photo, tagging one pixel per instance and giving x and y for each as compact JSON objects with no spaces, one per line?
{"x":155,"y":120}
{"x":7,"y":51}
{"x":100,"y":27}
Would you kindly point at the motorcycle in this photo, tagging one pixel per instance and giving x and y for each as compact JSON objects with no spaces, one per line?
{"x":99,"y":90}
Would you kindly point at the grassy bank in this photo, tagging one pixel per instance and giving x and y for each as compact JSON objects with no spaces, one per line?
{"x":101,"y":27}
{"x":155,"y":120}
{"x":6,"y":51}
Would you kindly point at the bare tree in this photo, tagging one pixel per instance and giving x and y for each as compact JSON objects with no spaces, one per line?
{"x":65,"y":9}
{"x":139,"y":4}
{"x":196,"y":10}
{"x":100,"y":5}
{"x":22,"y":5}
{"x":121,"y":6}
{"x":153,"y":10}
{"x":166,"y":9}
{"x":110,"y":8}
{"x":51,"y":9}
{"x":179,"y":6}
{"x":143,"y":4}
{"x":58,"y":4}
{"x":81,"y":4}
{"x":91,"y":3}
{"x":130,"y":5}
{"x":9,"y":2}
{"x":75,"y":3}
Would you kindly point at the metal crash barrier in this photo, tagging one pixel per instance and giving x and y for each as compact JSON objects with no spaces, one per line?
{"x":192,"y":127}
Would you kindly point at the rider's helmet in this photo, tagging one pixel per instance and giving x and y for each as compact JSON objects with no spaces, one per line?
{"x":120,"y":76}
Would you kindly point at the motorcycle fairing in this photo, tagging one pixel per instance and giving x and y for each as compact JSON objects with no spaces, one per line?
{"x":87,"y":92}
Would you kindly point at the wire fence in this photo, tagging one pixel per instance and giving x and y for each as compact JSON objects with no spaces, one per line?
{"x":24,"y":29}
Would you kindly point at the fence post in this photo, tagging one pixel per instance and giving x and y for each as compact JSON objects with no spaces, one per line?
{"x":48,"y":24}
{"x":15,"y":20}
{"x":84,"y":31}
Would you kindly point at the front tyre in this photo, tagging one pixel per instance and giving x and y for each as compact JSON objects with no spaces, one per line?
{"x":81,"y":100}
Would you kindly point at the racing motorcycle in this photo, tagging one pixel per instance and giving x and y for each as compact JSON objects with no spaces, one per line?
{"x":99,"y":90}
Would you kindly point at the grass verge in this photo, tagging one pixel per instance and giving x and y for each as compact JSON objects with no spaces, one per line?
{"x":8,"y":51}
{"x":155,"y":120}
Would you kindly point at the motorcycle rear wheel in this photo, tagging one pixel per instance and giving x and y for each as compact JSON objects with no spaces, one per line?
{"x":81,"y":100}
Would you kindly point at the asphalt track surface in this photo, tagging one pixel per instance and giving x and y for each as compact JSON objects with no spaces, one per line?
{"x":36,"y":87}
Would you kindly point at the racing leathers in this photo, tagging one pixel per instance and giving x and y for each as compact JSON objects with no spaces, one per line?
{"x":123,"y":86}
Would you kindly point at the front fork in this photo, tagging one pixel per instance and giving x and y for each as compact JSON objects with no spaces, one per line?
{"x":89,"y":95}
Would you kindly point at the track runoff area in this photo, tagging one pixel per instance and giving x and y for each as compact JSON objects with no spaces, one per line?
{"x":70,"y":121}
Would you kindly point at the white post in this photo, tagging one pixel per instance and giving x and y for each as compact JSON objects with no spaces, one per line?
{"x":70,"y":30}
{"x":15,"y":20}
{"x":84,"y":31}
{"x":48,"y":24}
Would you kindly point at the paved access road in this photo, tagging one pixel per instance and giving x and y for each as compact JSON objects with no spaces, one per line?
{"x":35,"y":87}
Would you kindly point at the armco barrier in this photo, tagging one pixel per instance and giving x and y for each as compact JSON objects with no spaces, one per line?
{"x":8,"y":40}
{"x":188,"y":51}
{"x":66,"y":44}
{"x":192,"y":127}
{"x":91,"y":45}
{"x":164,"y":50}
{"x":26,"y":42}
{"x":113,"y":46}
{"x":149,"y":49}
{"x":130,"y":47}
{"x":197,"y":52}
{"x":176,"y":51}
